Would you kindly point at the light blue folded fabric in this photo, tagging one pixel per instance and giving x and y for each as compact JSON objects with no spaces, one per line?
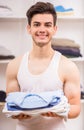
{"x":60,"y":8}
{"x":32,"y":100}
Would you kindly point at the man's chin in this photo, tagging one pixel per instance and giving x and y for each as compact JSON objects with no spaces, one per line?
{"x":41,"y":44}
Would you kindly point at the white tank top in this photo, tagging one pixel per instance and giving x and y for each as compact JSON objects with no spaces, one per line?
{"x":46,"y":81}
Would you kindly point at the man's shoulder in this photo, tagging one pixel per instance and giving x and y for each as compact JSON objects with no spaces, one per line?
{"x":14,"y":64}
{"x":67,"y":61}
{"x":68,"y":65}
{"x":15,"y":61}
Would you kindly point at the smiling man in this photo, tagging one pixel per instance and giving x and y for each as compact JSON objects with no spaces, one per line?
{"x":42,"y":29}
{"x":42,"y":69}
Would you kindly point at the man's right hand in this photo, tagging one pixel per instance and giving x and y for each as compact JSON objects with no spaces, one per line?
{"x":21,"y":116}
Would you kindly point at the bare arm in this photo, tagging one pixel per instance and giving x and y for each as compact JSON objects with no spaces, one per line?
{"x":70,"y":76}
{"x":72,"y":89}
{"x":12,"y":83}
{"x":11,"y":77}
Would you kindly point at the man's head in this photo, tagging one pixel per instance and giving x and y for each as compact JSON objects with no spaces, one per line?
{"x":41,"y":8}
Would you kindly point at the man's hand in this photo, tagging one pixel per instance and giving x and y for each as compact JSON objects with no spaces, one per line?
{"x":21,"y":116}
{"x":51,"y":114}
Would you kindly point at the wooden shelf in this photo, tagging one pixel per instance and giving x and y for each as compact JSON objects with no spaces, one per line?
{"x":13,"y":18}
{"x":82,"y":100}
{"x":4,"y":61}
{"x":78,"y":59}
{"x":71,"y":17}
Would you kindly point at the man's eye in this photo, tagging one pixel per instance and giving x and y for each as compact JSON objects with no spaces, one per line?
{"x":48,"y":25}
{"x":36,"y":25}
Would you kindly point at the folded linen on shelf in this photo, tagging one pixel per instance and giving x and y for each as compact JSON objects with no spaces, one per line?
{"x":61,"y":10}
{"x":34,"y":104}
{"x":64,"y":42}
{"x":66,"y":46}
{"x":68,"y":51}
{"x":5,"y":11}
{"x":2,"y":96}
{"x":5,"y":53}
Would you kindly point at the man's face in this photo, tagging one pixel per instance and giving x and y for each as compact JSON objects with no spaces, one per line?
{"x":42,"y":29}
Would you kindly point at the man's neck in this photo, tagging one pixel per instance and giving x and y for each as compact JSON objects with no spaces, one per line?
{"x":43,"y":52}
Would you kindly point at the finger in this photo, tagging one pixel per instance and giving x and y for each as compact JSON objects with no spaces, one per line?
{"x":46,"y":114}
{"x":15,"y":116}
{"x":26,"y":116}
{"x":43,"y":114}
{"x":49,"y":114}
{"x":23,"y":116}
{"x":53,"y":114}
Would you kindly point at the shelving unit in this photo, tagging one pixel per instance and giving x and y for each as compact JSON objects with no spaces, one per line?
{"x":13,"y":34}
{"x":73,"y":27}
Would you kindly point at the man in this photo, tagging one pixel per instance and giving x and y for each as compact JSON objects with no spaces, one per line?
{"x":43,"y":69}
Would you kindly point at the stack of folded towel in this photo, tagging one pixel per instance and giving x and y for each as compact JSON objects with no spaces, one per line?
{"x":82,"y":91}
{"x":62,"y":11}
{"x":5,"y":53}
{"x":67,"y":47}
{"x":5,"y":10}
{"x":2,"y":96}
{"x":36,"y":103}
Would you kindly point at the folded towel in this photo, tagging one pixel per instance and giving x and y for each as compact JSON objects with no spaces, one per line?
{"x":32,"y":101}
{"x":2,"y":96}
{"x":68,"y":51}
{"x":5,"y":53}
{"x":5,"y":11}
{"x":61,"y":8}
{"x":64,"y":42}
{"x":34,"y":104}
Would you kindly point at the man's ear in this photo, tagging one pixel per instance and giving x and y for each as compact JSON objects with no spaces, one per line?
{"x":55,"y":30}
{"x":28,"y":28}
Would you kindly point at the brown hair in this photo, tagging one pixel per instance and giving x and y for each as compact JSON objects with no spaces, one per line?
{"x":41,"y":8}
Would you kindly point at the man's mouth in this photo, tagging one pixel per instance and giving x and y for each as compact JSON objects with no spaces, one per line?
{"x":42,"y":36}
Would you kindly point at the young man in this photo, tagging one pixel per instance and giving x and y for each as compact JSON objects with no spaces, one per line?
{"x":43,"y":69}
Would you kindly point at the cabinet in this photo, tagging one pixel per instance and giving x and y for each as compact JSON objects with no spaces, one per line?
{"x":13,"y":35}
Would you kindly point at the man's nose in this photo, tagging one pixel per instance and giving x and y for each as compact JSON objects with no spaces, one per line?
{"x":42,"y":29}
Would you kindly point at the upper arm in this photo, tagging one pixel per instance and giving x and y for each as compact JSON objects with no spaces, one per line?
{"x":71,"y":86}
{"x":11,"y":77}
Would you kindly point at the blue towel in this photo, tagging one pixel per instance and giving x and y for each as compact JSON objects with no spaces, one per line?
{"x":28,"y":101}
{"x":60,"y":8}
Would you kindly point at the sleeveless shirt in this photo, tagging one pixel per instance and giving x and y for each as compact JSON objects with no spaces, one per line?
{"x":46,"y":81}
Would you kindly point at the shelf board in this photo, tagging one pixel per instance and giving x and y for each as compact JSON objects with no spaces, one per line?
{"x":59,"y":17}
{"x":18,"y":17}
{"x":82,"y":100}
{"x":13,"y":18}
{"x":71,"y":17}
{"x":4,"y":61}
{"x":78,"y":59}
